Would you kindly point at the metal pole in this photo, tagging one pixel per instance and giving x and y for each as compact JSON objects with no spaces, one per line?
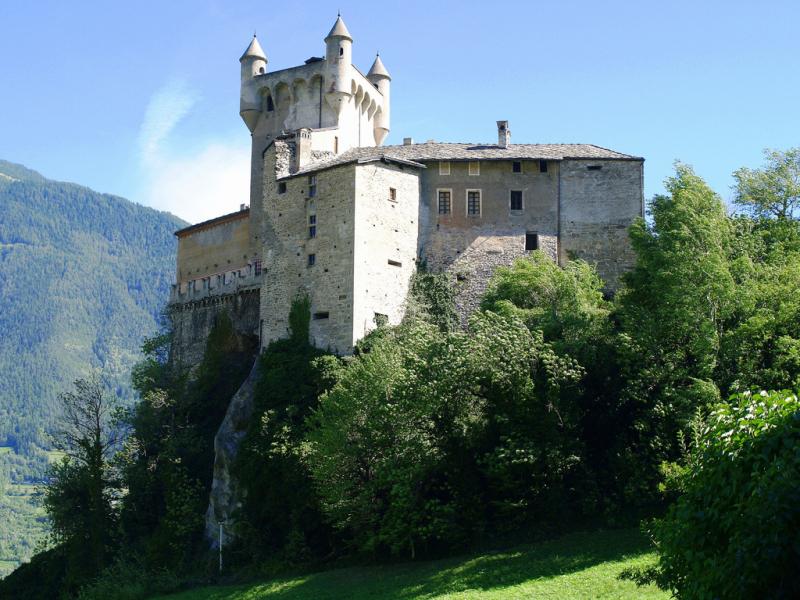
{"x":220,"y":547}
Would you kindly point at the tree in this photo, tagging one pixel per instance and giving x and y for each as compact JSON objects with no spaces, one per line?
{"x":774,"y":190}
{"x":79,"y":496}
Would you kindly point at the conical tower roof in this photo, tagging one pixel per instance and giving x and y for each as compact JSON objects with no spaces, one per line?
{"x":254,"y":50}
{"x":377,"y":69}
{"x":339,"y":29}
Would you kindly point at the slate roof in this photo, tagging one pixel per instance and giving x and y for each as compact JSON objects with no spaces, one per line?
{"x":438,"y":151}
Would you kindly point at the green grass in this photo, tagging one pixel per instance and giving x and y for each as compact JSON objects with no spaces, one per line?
{"x":5,"y":450}
{"x":581,"y":565}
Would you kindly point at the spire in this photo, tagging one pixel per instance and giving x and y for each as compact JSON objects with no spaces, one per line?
{"x":377,"y":69}
{"x":339,"y":30}
{"x":254,"y":50}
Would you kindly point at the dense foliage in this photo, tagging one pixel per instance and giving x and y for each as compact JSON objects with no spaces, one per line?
{"x":734,"y":532}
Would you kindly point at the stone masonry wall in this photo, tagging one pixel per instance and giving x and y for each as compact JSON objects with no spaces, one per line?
{"x":287,"y":246}
{"x":192,"y":322}
{"x":597,"y":207}
{"x":386,"y":234}
{"x":471,"y":248}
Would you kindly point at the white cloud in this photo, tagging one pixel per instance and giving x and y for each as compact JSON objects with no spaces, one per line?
{"x":198,"y":182}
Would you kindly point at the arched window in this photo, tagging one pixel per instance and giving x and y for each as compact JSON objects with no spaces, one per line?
{"x":341,"y":51}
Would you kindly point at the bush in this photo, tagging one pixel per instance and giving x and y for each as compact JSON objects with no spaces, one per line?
{"x":129,"y":580}
{"x":735,"y":530}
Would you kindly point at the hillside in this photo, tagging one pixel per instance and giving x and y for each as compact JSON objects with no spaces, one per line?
{"x":83,"y":278}
{"x":581,"y":565}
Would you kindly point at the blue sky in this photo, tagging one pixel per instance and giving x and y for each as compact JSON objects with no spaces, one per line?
{"x":141,"y":99}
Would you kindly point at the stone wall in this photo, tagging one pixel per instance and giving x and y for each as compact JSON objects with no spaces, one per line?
{"x":597,"y":207}
{"x":386,"y":234}
{"x":192,"y":322}
{"x":287,"y":246}
{"x":470,"y":248}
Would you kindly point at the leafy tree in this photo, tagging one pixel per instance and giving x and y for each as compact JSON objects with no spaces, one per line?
{"x":774,"y":190}
{"x":79,"y":496}
{"x":677,"y":302}
{"x":735,"y":530}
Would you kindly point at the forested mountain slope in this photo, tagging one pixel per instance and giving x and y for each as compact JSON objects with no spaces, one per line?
{"x":83,"y":278}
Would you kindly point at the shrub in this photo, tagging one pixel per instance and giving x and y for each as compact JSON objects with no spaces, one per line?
{"x":735,"y":530}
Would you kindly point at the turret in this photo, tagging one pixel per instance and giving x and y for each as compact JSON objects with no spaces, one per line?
{"x":339,"y":59}
{"x":379,"y":77}
{"x":254,"y":63}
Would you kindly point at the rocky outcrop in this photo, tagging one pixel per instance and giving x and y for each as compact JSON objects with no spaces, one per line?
{"x":225,"y":495}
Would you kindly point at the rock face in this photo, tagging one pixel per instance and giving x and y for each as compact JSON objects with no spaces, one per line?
{"x":225,"y":496}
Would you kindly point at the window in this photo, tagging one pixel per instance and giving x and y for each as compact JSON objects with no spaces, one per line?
{"x":341,"y":51}
{"x":474,"y":203}
{"x":282,"y":187}
{"x":474,"y":167}
{"x":444,"y":168}
{"x":516,"y":200}
{"x":392,"y":194}
{"x":594,"y":167}
{"x":312,"y":260}
{"x":336,"y":144}
{"x":542,"y":166}
{"x":444,"y":202}
{"x":321,"y":315}
{"x":395,"y":263}
{"x":312,"y":186}
{"x":270,"y":104}
{"x":516,"y":167}
{"x":258,"y":267}
{"x":531,"y":241}
{"x":312,"y":231}
{"x":312,"y":219}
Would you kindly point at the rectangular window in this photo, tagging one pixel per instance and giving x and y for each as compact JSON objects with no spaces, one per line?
{"x":516,"y":167}
{"x":473,"y":203}
{"x":392,"y":194}
{"x":282,"y":187}
{"x":321,"y":315}
{"x":312,"y":219}
{"x":312,"y":231}
{"x":257,"y":266}
{"x":531,"y":241}
{"x":444,"y":202}
{"x":312,"y":260}
{"x":444,"y":168}
{"x":516,"y":200}
{"x":312,"y":186}
{"x":594,"y":167}
{"x":395,"y":263}
{"x":474,"y":167}
{"x":542,"y":166}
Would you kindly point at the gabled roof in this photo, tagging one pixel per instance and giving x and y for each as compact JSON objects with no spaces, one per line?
{"x":254,"y":50}
{"x":377,"y":69}
{"x":216,"y":221}
{"x":429,"y":151}
{"x":339,"y":29}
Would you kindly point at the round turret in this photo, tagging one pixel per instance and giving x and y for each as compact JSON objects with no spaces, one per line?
{"x":380,"y":78}
{"x":339,"y":59}
{"x":254,"y":63}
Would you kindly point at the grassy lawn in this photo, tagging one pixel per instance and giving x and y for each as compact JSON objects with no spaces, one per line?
{"x":581,"y":565}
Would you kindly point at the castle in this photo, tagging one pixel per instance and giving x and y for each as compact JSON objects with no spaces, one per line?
{"x":337,"y":215}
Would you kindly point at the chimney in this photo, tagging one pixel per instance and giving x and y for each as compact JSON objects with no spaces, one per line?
{"x":302,"y":140}
{"x":503,"y":134}
{"x":242,"y":207}
{"x":408,"y":141}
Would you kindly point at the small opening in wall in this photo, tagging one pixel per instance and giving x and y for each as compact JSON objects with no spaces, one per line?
{"x":282,"y":187}
{"x":395,"y":263}
{"x":270,"y":104}
{"x":341,"y":51}
{"x":312,"y":260}
{"x":531,"y":241}
{"x":516,"y":167}
{"x":393,"y":194}
{"x":516,"y":199}
{"x":321,"y":315}
{"x":594,"y":167}
{"x":312,"y":186}
{"x":542,"y":166}
{"x":312,"y":231}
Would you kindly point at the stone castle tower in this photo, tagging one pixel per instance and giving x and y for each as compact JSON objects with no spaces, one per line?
{"x":345,"y":220}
